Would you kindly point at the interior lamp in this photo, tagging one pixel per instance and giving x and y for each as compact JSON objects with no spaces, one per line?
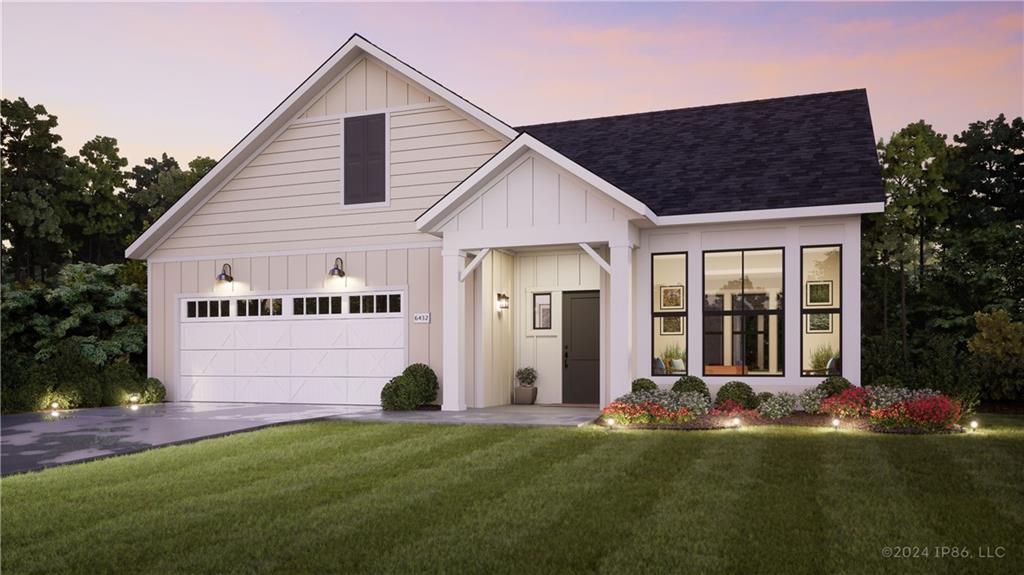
{"x":338,"y":271}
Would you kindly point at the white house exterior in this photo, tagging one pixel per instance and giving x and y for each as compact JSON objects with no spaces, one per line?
{"x":376,"y":219}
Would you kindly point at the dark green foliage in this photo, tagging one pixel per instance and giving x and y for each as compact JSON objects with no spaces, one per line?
{"x":764,"y":396}
{"x":947,"y":247}
{"x":834,"y":385}
{"x":400,"y":394}
{"x":998,"y":350}
{"x":739,"y":392}
{"x":691,"y":383}
{"x":426,"y":382}
{"x":643,"y":384}
{"x":887,"y":381}
{"x":68,"y":377}
{"x":120,"y":381}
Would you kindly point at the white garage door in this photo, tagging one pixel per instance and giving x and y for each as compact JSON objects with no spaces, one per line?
{"x":294,"y":348}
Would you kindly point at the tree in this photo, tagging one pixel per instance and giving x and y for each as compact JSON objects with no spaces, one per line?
{"x":34,"y":177}
{"x":97,"y":205}
{"x":143,"y":177}
{"x":914,"y":169}
{"x":981,"y":241}
{"x":167,"y":187}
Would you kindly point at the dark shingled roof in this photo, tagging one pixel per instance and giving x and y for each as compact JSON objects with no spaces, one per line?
{"x":801,"y":151}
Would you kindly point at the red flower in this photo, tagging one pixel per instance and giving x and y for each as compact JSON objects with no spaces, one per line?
{"x":851,"y":402}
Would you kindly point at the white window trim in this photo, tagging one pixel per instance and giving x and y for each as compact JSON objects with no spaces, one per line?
{"x":387,"y":160}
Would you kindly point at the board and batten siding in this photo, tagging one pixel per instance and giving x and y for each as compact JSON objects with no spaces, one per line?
{"x":554,"y":273}
{"x":416,"y":270}
{"x":535,"y":193}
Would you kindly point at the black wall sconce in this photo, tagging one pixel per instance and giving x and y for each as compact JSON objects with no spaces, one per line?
{"x":225,"y":274}
{"x":338,"y":270}
{"x":502,"y":302}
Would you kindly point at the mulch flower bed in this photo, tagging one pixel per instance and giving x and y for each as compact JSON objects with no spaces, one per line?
{"x":799,"y":419}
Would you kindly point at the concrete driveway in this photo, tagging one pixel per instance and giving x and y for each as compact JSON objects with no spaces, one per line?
{"x":31,"y":441}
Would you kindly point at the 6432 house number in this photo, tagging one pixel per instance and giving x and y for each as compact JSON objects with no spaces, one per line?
{"x":421,"y":318}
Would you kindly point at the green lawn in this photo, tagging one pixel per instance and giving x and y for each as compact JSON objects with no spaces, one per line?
{"x":348,"y":497}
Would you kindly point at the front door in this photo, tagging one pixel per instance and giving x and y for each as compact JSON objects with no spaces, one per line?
{"x":581,"y":347}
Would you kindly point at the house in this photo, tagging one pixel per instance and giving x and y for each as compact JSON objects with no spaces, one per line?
{"x":376,"y":218}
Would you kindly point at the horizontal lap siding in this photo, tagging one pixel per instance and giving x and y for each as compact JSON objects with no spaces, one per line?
{"x":415,"y":269}
{"x":288,"y":197}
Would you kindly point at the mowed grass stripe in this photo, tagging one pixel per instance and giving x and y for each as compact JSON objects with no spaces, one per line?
{"x":776,"y":512}
{"x":241,"y":494}
{"x":110,"y":487}
{"x":869,"y":504}
{"x":405,"y":505}
{"x":586,"y":485}
{"x":265,"y":510}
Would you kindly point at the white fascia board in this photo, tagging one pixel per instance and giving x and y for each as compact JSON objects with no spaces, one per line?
{"x":431,"y":220}
{"x":772,"y":214}
{"x":278,"y":120}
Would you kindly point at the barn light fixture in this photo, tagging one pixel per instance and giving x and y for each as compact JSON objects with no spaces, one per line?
{"x":338,"y":271}
{"x":502,"y":301}
{"x":225,"y":274}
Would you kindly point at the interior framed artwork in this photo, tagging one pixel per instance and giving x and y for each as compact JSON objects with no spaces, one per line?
{"x":673,"y":297}
{"x":672,"y":325}
{"x":818,"y":294}
{"x":819,"y":323}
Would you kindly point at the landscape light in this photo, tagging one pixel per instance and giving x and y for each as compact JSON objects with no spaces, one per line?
{"x":134,"y":398}
{"x":736,"y":422}
{"x":610,"y":422}
{"x":974,"y":424}
{"x":835,"y":423}
{"x":54,"y":405}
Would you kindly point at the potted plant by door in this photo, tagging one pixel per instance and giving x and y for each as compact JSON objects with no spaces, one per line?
{"x":525,"y":393}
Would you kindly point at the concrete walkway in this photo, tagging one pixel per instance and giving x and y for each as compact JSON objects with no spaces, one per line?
{"x":537,"y":415}
{"x":32,"y":441}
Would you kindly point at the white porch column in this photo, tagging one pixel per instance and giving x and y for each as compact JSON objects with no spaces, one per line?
{"x":620,"y":362}
{"x":453,"y":331}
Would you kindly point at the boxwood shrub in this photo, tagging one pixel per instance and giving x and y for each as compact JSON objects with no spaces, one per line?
{"x":691,"y":383}
{"x":763,"y":397}
{"x":400,"y":394}
{"x":739,"y":392}
{"x":834,"y":385}
{"x":643,"y":384}
{"x":425,"y":382}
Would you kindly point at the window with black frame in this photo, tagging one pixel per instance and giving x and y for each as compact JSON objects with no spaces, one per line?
{"x":668,"y":314}
{"x":743,"y":321}
{"x":821,"y":310}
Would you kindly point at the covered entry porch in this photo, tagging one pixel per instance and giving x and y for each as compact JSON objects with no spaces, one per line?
{"x":547,"y":307}
{"x":525,"y":206}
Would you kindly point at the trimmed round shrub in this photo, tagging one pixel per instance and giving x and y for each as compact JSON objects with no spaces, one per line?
{"x":834,"y":385}
{"x":153,"y":391}
{"x":643,"y":384}
{"x":691,"y":383}
{"x":400,"y":394}
{"x":425,"y":382}
{"x":887,"y":381}
{"x":810,"y":400}
{"x":739,"y":392}
{"x":778,"y":406}
{"x":764,"y":396}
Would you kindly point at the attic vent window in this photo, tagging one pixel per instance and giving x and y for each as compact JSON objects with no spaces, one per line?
{"x":365,"y":160}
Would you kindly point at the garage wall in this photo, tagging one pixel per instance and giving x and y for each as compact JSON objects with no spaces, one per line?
{"x":419,"y":268}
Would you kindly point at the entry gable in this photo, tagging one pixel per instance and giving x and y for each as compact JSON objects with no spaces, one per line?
{"x":529,"y":185}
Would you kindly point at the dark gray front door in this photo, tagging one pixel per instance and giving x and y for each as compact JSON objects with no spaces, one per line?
{"x":581,"y":347}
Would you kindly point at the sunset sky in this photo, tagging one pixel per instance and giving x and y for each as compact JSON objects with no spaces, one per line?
{"x":192,"y":79}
